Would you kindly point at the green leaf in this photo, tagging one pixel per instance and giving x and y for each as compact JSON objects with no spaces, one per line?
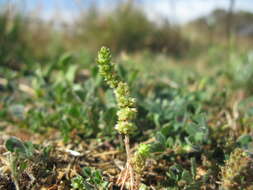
{"x":70,"y":73}
{"x":169,"y":142}
{"x":29,"y":149}
{"x":79,"y":183}
{"x":87,"y":171}
{"x":132,"y":77}
{"x":244,"y":140}
{"x":97,"y":177}
{"x":192,"y":129}
{"x":64,"y":60}
{"x":193,"y":168}
{"x":186,"y":176}
{"x":13,"y":144}
{"x":122,"y":72}
{"x":161,"y":139}
{"x":175,"y":172}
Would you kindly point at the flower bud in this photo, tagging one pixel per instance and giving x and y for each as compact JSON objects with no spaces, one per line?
{"x":126,"y":114}
{"x":125,"y":127}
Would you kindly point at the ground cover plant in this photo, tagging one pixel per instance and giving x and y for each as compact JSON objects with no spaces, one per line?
{"x":158,"y":109}
{"x":193,"y":132}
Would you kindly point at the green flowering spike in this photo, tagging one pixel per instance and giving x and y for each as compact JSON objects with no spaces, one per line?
{"x":144,"y":150}
{"x":123,"y":97}
{"x":122,"y":89}
{"x":127,"y":109}
{"x":125,"y":127}
{"x":126,"y":114}
{"x":104,"y":56}
{"x":106,"y":69}
{"x":140,"y":157}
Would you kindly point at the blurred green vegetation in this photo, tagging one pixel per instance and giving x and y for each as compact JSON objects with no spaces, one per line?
{"x":190,"y":112}
{"x":13,"y":48}
{"x":127,"y":28}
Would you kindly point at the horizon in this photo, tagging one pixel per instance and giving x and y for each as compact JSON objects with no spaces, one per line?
{"x":180,"y":11}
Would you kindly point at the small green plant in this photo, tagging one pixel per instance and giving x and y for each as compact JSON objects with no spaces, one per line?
{"x":20,"y":153}
{"x":181,"y":178}
{"x":140,"y":156}
{"x":126,"y":114}
{"x":79,"y":183}
{"x":90,"y":179}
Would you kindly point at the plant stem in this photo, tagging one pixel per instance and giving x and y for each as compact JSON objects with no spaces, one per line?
{"x":13,"y":166}
{"x":128,"y":164}
{"x":127,"y":146}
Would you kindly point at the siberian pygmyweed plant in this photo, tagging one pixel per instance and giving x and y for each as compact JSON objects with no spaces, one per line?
{"x":126,"y":114}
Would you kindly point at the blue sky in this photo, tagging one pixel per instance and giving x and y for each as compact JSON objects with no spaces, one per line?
{"x":179,"y":11}
{"x":185,"y":10}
